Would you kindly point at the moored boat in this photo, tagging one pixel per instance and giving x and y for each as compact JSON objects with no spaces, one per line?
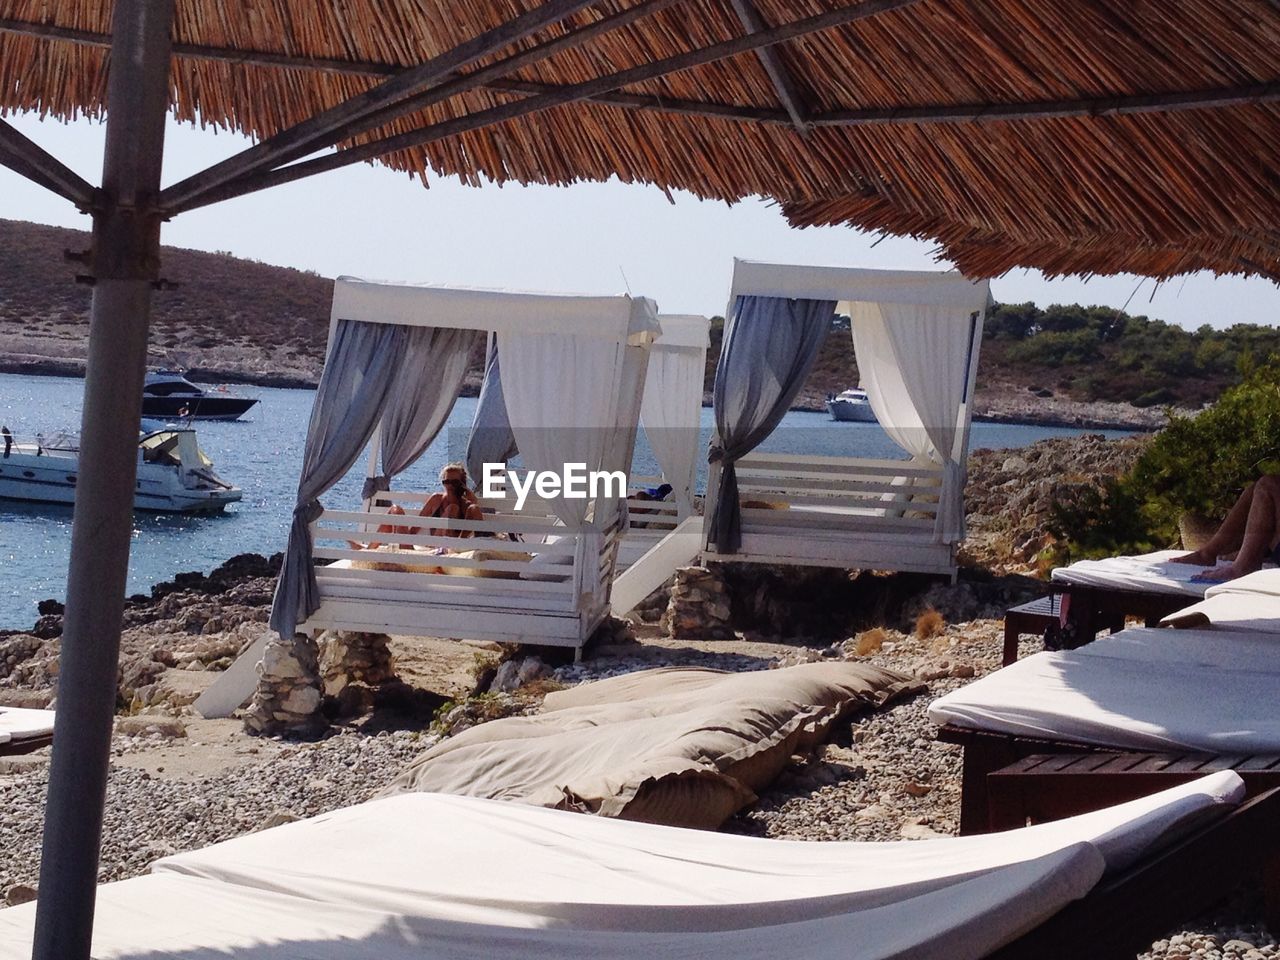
{"x":852,"y":406}
{"x":174,"y":475}
{"x":167,"y":394}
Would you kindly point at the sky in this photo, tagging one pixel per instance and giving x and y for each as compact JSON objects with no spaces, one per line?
{"x":589,"y":238}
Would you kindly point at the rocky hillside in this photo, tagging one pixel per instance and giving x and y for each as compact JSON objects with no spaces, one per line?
{"x":1011,"y":494}
{"x":227,"y":318}
{"x":235,"y":320}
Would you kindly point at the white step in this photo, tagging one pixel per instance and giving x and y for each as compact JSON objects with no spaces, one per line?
{"x":235,"y":685}
{"x":677,"y":549}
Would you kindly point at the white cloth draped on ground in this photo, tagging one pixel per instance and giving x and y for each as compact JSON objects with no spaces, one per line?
{"x":914,"y":363}
{"x":684,"y":747}
{"x":21,"y":723}
{"x":432,"y":876}
{"x":426,"y":389}
{"x":1146,"y":573}
{"x":1211,"y":691}
{"x":671,"y":410}
{"x":770,"y":345}
{"x":359,"y":373}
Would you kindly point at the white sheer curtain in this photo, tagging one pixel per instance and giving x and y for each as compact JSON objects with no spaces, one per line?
{"x":671,"y":412}
{"x":914,"y":364}
{"x":561,"y":393}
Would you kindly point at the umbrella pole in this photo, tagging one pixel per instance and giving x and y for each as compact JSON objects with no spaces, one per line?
{"x":125,"y":261}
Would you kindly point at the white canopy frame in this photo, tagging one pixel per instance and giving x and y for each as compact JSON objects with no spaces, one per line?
{"x":915,"y":333}
{"x":547,"y":584}
{"x":671,"y":417}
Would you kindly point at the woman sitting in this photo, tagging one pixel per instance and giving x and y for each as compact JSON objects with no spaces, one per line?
{"x":455,"y":502}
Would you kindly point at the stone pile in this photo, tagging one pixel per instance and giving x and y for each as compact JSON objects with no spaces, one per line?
{"x":652,"y":607}
{"x":288,"y":696}
{"x":353,"y":666}
{"x":513,"y":674}
{"x":699,"y":606}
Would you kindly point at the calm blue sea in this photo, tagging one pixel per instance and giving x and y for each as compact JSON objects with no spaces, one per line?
{"x":261,"y":455}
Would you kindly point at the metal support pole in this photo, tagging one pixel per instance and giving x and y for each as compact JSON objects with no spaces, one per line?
{"x":125,"y":262}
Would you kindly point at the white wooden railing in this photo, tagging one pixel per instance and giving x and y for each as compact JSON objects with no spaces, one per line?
{"x":841,"y":512}
{"x":839,"y":494}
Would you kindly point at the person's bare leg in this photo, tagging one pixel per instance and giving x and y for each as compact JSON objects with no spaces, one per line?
{"x":1229,"y":537}
{"x":1260,"y":533}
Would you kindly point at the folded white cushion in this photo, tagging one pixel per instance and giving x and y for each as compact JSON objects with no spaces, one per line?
{"x":1264,"y":582}
{"x":1147,"y":573}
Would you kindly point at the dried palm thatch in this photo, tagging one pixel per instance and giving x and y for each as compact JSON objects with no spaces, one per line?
{"x":1092,"y":136}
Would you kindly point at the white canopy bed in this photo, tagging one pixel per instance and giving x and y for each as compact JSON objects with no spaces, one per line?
{"x":917,"y":337}
{"x":573,"y":367}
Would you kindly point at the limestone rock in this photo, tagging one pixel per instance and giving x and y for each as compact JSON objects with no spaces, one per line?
{"x":288,"y":696}
{"x":19,"y":893}
{"x":151,"y":725}
{"x":699,"y":606}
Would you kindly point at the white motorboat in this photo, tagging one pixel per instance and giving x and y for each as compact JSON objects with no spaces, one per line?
{"x":174,"y":475}
{"x":851,"y":405}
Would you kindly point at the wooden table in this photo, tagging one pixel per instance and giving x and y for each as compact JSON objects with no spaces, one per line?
{"x":1038,"y":616}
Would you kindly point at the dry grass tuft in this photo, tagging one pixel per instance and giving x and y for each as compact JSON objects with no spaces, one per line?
{"x":929,"y":624}
{"x":870,"y":641}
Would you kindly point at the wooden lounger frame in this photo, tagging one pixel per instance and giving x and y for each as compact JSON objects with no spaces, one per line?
{"x":1093,"y":608}
{"x":1124,"y":914}
{"x":15,"y":748}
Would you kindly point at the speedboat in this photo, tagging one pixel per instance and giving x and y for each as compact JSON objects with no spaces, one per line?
{"x":174,"y":475}
{"x":167,"y":394}
{"x":851,"y":405}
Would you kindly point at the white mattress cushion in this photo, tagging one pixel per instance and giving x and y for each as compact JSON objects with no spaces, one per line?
{"x":1147,"y":573}
{"x":20,"y":723}
{"x":1264,"y":582}
{"x":1208,"y":691}
{"x":433,"y":876}
{"x":1239,"y":612}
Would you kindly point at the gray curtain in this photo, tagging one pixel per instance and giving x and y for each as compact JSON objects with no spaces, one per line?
{"x":435,"y":362}
{"x":770,"y":345}
{"x":491,"y":439}
{"x":358,"y":377}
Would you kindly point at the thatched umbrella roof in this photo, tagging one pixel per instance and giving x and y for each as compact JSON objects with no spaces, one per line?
{"x":971,"y":123}
{"x":1092,"y":135}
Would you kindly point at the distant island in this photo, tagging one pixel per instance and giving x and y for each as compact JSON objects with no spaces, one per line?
{"x":234,"y":320}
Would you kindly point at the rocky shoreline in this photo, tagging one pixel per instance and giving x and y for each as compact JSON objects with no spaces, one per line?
{"x":996,"y":404}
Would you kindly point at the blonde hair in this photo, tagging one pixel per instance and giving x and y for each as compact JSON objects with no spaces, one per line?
{"x":449,"y":468}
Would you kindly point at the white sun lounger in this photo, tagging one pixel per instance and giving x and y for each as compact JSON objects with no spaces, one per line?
{"x":1147,"y":573}
{"x":433,"y":876}
{"x":23,"y":730}
{"x":1142,"y":689}
{"x":1250,"y":603}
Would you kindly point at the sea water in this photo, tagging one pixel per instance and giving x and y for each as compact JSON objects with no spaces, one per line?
{"x":262,"y":454}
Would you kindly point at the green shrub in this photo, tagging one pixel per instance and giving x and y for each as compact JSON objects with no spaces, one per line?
{"x":1196,"y":464}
